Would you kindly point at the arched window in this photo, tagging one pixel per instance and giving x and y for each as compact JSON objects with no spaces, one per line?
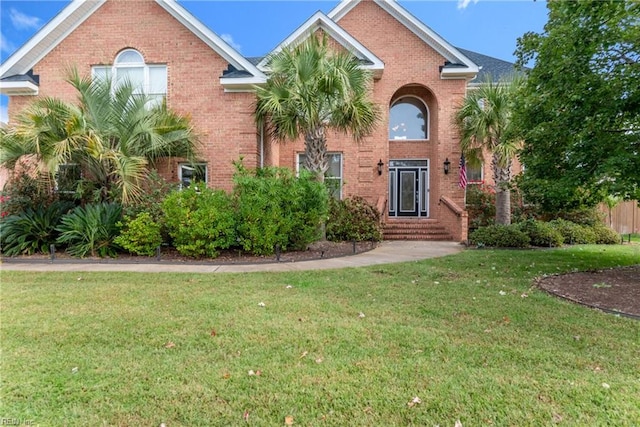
{"x":408,"y":119}
{"x":129,"y":66}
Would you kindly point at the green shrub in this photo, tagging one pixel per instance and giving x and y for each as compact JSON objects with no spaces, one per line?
{"x":481,"y":206}
{"x":584,"y":216}
{"x":572,"y":233}
{"x":33,"y":230}
{"x":504,"y":236}
{"x":91,"y":229}
{"x":155,"y":191}
{"x":541,"y":233}
{"x":274,"y":207}
{"x":23,"y":192}
{"x":605,"y":235}
{"x":353,"y":219}
{"x":140,"y":235}
{"x":199,"y":222}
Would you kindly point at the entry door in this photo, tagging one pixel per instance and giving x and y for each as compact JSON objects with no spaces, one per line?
{"x":408,"y":188}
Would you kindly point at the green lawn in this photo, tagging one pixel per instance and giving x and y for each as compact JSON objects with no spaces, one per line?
{"x":466,"y":334}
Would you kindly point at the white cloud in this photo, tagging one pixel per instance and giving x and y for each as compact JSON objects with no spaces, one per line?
{"x":24,"y":22}
{"x":229,"y":39}
{"x":6,"y":45}
{"x":462,"y":4}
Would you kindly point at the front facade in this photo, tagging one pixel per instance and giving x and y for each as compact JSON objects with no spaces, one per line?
{"x":419,"y":80}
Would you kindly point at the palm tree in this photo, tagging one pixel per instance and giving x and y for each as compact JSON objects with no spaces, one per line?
{"x":312,"y":89}
{"x":484,"y":123}
{"x":113,"y":133}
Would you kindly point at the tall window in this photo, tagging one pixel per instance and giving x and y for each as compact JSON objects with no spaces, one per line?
{"x":333,"y":176}
{"x":189,"y":173}
{"x":129,"y":65}
{"x":408,"y":119}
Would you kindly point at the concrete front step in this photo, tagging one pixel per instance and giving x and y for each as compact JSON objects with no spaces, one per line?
{"x":445,"y":237}
{"x":423,"y":229}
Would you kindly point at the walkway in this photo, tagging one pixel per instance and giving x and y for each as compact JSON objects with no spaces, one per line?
{"x":388,"y":252}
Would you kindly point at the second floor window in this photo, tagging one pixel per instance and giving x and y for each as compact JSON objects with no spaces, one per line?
{"x":408,"y":119}
{"x":129,"y":65}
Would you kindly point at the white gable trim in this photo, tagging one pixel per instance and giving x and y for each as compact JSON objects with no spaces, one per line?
{"x":321,"y":21}
{"x":218,"y":45}
{"x":54,"y":32}
{"x":426,"y":34}
{"x":43,"y":42}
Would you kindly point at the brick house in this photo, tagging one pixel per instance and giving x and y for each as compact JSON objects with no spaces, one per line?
{"x":419,"y":80}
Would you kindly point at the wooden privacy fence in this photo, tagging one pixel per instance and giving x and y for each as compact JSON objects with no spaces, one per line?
{"x":624,"y":218}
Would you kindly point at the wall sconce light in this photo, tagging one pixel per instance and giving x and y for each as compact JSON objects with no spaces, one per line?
{"x":447,"y":163}
{"x":380,"y":165}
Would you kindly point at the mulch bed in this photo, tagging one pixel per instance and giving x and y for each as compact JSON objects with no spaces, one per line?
{"x":318,"y":250}
{"x":615,"y":290}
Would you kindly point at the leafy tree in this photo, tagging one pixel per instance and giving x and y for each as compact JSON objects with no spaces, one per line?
{"x":312,"y":89}
{"x":580,"y":107}
{"x":485,"y":125}
{"x":113,"y":133}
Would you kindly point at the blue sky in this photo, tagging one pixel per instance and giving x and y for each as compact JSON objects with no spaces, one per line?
{"x":256,"y":27}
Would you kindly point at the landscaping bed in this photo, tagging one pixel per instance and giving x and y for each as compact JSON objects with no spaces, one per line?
{"x":616,"y":290}
{"x":317,"y":250}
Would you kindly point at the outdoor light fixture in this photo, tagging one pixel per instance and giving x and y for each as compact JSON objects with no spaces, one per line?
{"x":447,"y":163}
{"x":380,"y":165}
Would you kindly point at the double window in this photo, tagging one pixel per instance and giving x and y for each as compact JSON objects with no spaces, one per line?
{"x":408,"y":119}
{"x":189,"y":173}
{"x":129,"y":66}
{"x":333,"y":176}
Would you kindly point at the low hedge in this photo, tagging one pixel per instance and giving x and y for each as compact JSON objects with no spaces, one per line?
{"x":541,"y":233}
{"x":572,"y":233}
{"x":504,"y":236}
{"x":353,"y":219}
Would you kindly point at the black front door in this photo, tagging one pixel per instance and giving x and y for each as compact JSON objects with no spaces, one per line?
{"x":408,"y":188}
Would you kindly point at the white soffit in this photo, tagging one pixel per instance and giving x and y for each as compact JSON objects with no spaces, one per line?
{"x":18,"y":88}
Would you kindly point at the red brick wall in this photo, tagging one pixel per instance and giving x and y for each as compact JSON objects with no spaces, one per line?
{"x":223,"y":120}
{"x":411,"y":67}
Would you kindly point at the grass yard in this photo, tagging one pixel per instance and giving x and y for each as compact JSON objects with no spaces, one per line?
{"x":466,"y":335}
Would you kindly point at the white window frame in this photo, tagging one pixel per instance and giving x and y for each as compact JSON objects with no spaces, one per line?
{"x":476,"y":182}
{"x":191,"y":166}
{"x":426,"y":119}
{"x":339,"y":179}
{"x":112,"y":72}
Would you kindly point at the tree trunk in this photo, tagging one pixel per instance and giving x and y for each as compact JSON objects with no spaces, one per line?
{"x":503,"y":206}
{"x":502,"y":177}
{"x":315,"y":146}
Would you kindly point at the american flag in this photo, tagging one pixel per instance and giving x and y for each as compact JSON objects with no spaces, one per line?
{"x":462,"y":180}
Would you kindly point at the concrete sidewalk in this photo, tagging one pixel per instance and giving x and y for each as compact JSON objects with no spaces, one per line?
{"x":388,"y":252}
